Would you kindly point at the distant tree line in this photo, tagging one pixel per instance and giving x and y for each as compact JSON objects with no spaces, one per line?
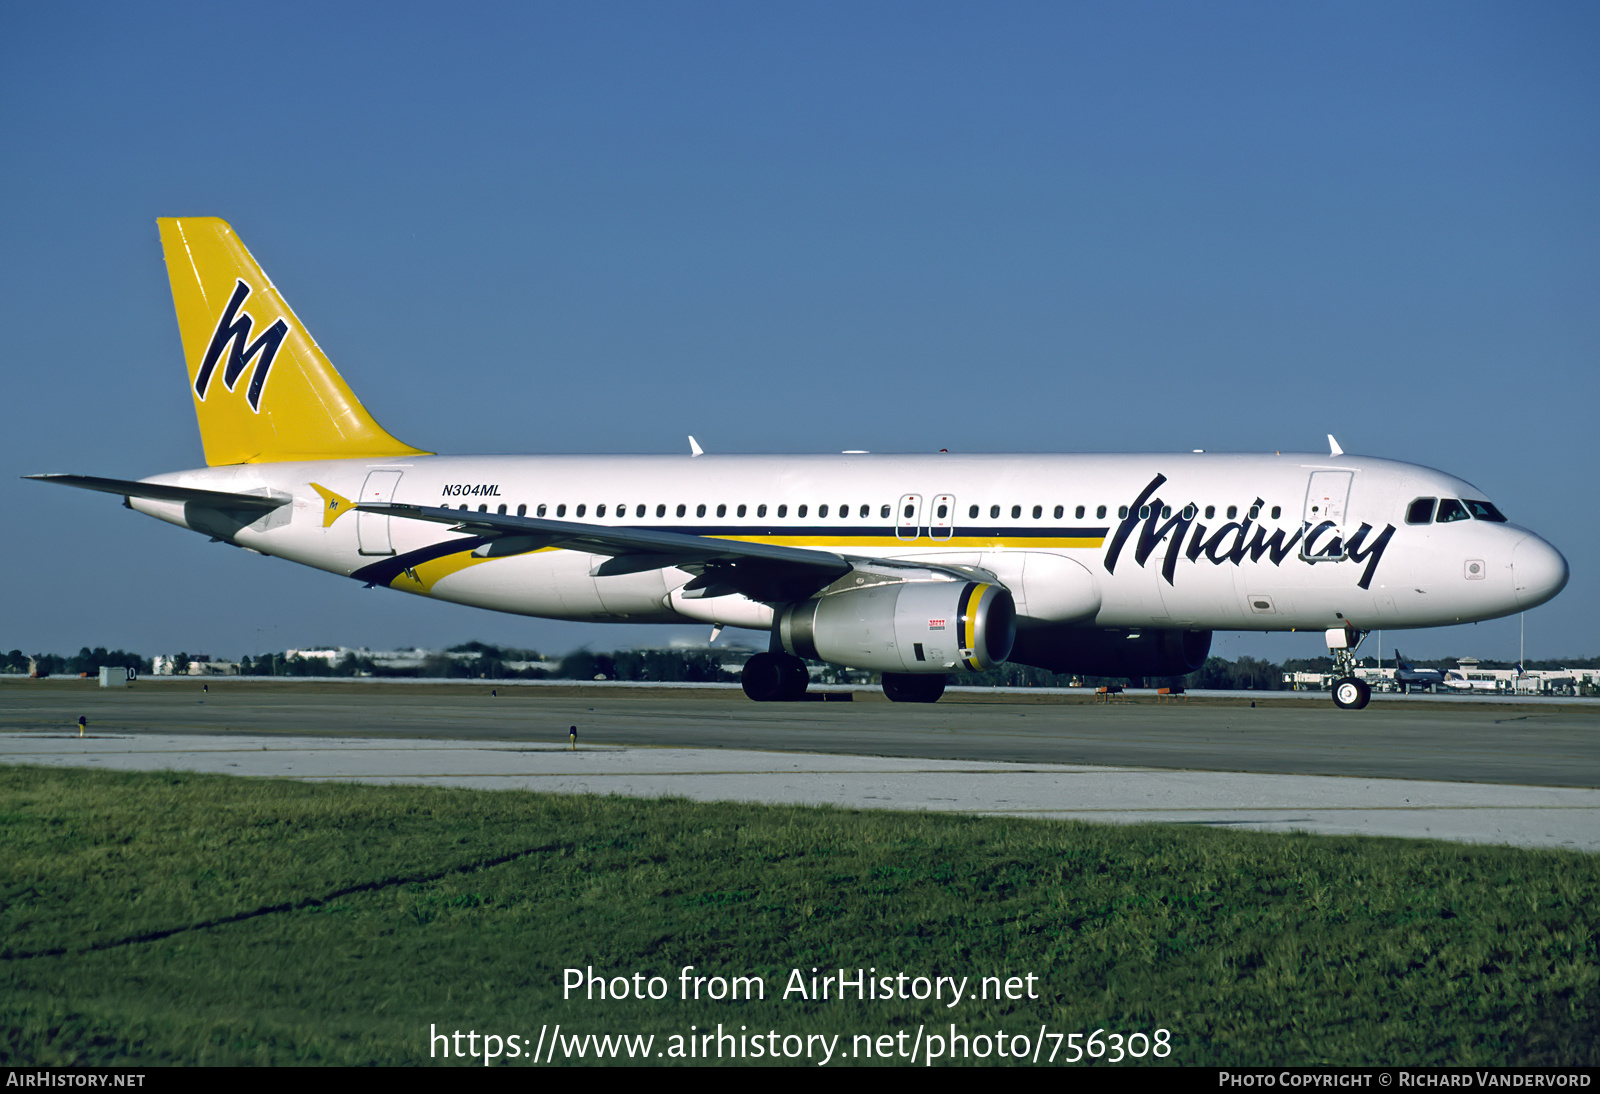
{"x":88,"y":660}
{"x":496,"y":663}
{"x":490,"y":662}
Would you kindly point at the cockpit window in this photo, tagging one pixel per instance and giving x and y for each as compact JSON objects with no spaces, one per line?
{"x":1421,"y":511}
{"x":1450,"y":509}
{"x":1482,"y":510}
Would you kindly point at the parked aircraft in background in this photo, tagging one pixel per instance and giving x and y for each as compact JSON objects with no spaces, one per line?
{"x":1409,"y":676}
{"x":918,"y":567}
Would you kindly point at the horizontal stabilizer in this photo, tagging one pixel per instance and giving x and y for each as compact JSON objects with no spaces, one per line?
{"x":216,"y":499}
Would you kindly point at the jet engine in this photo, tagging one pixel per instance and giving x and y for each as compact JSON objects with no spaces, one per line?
{"x":904,"y":626}
{"x":1091,"y":651}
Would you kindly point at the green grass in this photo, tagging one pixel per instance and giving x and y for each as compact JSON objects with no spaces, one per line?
{"x":167,"y":918}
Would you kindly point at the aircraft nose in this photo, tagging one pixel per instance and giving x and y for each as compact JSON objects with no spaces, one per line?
{"x":1538,"y":571}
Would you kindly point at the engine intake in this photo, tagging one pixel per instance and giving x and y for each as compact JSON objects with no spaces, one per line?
{"x":908,"y":626}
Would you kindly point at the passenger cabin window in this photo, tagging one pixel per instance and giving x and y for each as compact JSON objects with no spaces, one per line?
{"x":1421,"y":511}
{"x":1255,"y":512}
{"x":639,"y":511}
{"x":800,"y":512}
{"x":1211,"y":511}
{"x":1038,"y":511}
{"x":1100,"y":513}
{"x":661,"y":510}
{"x":822,"y":511}
{"x":1166,"y":511}
{"x":883,"y":512}
{"x":1188,"y":511}
{"x":1059,"y":512}
{"x":1450,"y":510}
{"x":561,"y":510}
{"x":580,"y":510}
{"x":1078,"y":513}
{"x":600,"y":510}
{"x":972,"y":512}
{"x":682,"y":509}
{"x":783,"y":510}
{"x":700,"y":510}
{"x":1016,"y":512}
{"x":1482,"y":510}
{"x":1277,"y":511}
{"x":522,"y":510}
{"x":740,"y":511}
{"x":994,"y":512}
{"x":485,"y":508}
{"x":540,"y":511}
{"x":1122,"y":512}
{"x":1233,"y":511}
{"x":761,"y":510}
{"x":722,"y":510}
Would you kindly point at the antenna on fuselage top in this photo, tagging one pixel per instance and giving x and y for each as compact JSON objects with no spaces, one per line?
{"x":1333,"y":447}
{"x":694,"y":447}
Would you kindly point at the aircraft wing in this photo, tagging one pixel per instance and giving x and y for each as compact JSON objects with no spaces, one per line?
{"x":761,"y":571}
{"x":215,"y":499}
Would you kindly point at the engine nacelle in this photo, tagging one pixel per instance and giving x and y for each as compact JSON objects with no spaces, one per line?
{"x":1091,"y":651}
{"x":904,"y":626}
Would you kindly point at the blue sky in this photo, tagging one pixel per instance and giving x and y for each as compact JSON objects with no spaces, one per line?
{"x":900,"y":227}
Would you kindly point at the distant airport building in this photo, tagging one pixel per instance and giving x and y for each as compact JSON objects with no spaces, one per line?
{"x":1468,"y":676}
{"x":201,"y":665}
{"x":414,"y":658}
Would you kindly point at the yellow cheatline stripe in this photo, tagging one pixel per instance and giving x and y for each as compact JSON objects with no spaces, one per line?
{"x":969,"y":630}
{"x":422,"y":577}
{"x":427,"y":574}
{"x":334,"y":505}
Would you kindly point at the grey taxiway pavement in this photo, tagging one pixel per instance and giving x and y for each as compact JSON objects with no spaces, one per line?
{"x":1494,"y":772}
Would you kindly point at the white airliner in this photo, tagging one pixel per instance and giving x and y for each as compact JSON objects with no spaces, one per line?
{"x":919,"y":567}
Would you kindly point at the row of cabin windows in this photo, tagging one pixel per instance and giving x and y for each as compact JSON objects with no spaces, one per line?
{"x":642,"y":511}
{"x":1192,"y":511}
{"x":1189,"y":511}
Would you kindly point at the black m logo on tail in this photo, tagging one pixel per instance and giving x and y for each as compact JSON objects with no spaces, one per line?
{"x":233,"y":335}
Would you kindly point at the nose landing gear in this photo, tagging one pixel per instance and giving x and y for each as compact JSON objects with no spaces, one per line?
{"x":1350,"y":692}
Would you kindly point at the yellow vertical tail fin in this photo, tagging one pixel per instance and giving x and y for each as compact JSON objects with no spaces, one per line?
{"x":263,"y":391}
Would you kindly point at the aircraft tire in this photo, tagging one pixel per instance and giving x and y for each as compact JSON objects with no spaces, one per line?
{"x":1351,"y":693}
{"x":909,"y":687}
{"x":796,"y":678}
{"x":764,"y":678}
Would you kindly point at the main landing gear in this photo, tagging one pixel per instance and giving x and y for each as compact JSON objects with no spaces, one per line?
{"x":912,"y":687}
{"x":775,"y":678}
{"x":1350,"y":692}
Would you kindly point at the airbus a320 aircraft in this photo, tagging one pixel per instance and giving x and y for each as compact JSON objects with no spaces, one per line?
{"x":918,"y":567}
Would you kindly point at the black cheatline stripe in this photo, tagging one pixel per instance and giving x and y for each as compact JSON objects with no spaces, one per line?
{"x":959,"y":531}
{"x":293,"y":905}
{"x":386,"y":570}
{"x":961,"y":619}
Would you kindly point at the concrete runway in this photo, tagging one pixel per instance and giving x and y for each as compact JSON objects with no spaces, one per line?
{"x":1476,"y":772}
